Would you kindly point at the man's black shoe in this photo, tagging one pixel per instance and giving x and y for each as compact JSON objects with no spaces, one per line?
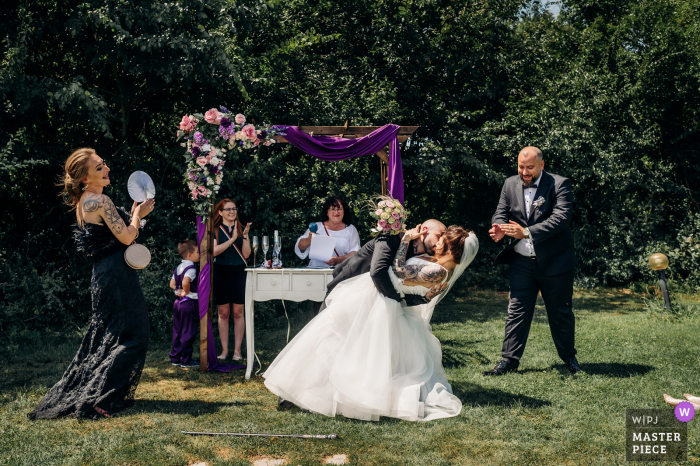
{"x":283,"y":404}
{"x":502,"y":368}
{"x":573,"y":366}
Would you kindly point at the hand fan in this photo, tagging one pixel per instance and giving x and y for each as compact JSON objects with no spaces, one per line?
{"x":141,"y":187}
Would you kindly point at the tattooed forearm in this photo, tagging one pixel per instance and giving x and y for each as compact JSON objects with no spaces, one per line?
{"x":433,"y":273}
{"x":112,"y":218}
{"x":400,"y":269}
{"x":422,"y":273}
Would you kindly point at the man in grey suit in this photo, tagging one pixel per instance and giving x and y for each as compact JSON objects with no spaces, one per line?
{"x":535,"y":210}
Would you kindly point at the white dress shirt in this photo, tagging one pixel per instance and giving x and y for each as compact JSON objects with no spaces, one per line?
{"x":346,"y":240}
{"x":192,"y":273}
{"x":525,"y":247}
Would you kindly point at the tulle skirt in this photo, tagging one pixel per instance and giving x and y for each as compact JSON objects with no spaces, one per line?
{"x":364,"y":357}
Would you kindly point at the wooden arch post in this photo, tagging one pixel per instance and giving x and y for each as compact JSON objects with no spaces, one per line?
{"x":207,"y":258}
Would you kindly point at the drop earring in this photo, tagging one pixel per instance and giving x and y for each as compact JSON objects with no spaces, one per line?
{"x":86,"y":185}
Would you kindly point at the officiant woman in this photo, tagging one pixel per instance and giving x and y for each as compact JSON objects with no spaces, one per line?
{"x":335,"y":222}
{"x":231,"y":252}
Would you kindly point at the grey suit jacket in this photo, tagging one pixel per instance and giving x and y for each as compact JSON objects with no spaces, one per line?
{"x":549,"y":223}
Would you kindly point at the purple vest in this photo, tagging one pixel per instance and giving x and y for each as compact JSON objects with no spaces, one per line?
{"x":179,"y":278}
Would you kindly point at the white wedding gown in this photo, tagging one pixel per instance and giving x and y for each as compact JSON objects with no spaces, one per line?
{"x":364,"y":357}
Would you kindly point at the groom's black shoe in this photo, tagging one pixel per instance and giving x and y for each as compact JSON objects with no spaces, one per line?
{"x":283,"y":404}
{"x":573,"y":365}
{"x":501,"y":368}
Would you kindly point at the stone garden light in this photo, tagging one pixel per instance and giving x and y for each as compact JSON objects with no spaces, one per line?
{"x":659,"y":263}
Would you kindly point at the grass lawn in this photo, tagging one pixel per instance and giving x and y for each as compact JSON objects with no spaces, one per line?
{"x":541,"y":415}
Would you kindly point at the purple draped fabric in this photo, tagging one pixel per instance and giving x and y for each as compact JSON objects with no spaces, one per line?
{"x":333,"y":149}
{"x":203,"y":288}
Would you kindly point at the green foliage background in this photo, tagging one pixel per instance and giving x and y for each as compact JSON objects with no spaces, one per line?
{"x":609,"y":90}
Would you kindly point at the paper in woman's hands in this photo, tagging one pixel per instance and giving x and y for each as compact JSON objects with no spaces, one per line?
{"x":141,"y":187}
{"x":321,"y":247}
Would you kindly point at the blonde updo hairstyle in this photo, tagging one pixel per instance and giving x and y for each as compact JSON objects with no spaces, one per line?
{"x":76,"y":169}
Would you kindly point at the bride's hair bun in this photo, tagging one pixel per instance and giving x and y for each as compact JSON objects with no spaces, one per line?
{"x":454,"y":241}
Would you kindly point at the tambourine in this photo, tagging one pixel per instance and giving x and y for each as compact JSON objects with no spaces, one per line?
{"x":137,"y":256}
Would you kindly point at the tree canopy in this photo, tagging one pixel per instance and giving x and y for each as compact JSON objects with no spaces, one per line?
{"x":609,"y":90}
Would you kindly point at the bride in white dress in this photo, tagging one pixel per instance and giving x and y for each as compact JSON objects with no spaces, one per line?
{"x":365,"y":355}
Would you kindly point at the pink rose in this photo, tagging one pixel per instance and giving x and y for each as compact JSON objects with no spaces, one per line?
{"x":380,"y":227}
{"x":395,"y":215}
{"x":267,"y":143}
{"x":390,"y":204}
{"x":194,"y":193}
{"x":187,"y":123}
{"x":213,"y":117}
{"x":387,"y":228}
{"x":208,"y":158}
{"x":382,"y":223}
{"x":396,"y":225}
{"x":257,"y":141}
{"x":378,"y":212}
{"x":240,"y":119}
{"x":201,"y":161}
{"x":249,"y":132}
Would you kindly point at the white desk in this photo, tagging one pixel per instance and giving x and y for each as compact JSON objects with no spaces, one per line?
{"x":290,"y":284}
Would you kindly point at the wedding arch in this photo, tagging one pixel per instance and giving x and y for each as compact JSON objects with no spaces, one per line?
{"x":222,"y":131}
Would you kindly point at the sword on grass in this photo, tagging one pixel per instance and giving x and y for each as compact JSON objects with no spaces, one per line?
{"x":241,"y":434}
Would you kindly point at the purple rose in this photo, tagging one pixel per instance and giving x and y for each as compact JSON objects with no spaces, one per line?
{"x":225,"y":122}
{"x":196,"y":151}
{"x":262,"y":135}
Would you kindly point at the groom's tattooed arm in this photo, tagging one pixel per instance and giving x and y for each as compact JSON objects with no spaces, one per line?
{"x":432,"y":273}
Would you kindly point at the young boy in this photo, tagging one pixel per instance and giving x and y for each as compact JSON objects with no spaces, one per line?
{"x":186,"y":308}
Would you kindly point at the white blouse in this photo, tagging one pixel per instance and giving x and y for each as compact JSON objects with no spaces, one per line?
{"x":346,"y":240}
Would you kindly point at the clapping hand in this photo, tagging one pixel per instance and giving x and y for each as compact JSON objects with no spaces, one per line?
{"x":513,"y":229}
{"x":496,"y":233}
{"x":247,"y":227}
{"x":435,"y":290}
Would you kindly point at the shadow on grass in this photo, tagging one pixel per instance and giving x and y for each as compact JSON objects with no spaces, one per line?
{"x":475,"y":395}
{"x":192,"y":408}
{"x":455,"y":354}
{"x":613,"y":369}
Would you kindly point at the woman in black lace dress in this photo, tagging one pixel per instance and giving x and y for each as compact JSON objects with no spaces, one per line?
{"x":103,"y":376}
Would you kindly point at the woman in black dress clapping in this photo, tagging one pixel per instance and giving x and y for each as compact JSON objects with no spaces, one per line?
{"x":103,"y":376}
{"x":231,"y":251}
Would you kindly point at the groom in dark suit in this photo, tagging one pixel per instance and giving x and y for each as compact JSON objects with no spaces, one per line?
{"x":377,"y":255}
{"x":535,"y":209}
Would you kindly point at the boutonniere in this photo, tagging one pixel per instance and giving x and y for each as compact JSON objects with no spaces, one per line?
{"x":539,"y":202}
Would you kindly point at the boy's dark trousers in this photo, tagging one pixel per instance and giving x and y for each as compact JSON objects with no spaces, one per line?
{"x":185,"y":329}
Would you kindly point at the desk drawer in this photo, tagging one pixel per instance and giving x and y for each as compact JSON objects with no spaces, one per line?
{"x":271,"y":282}
{"x":308,"y":282}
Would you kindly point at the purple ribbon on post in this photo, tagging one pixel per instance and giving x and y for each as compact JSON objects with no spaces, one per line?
{"x":203,"y":288}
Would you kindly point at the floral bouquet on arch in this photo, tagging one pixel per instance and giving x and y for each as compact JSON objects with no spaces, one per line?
{"x":206,"y":146}
{"x":390,"y":216}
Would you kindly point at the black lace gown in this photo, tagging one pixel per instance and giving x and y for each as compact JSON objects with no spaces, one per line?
{"x":107,"y":368}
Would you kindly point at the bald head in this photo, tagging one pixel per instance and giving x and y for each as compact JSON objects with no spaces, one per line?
{"x":433,"y":231}
{"x":432,"y":224}
{"x":530,"y":165}
{"x":531,"y":151}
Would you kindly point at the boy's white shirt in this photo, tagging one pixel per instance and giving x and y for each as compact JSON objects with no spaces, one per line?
{"x":192,"y":273}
